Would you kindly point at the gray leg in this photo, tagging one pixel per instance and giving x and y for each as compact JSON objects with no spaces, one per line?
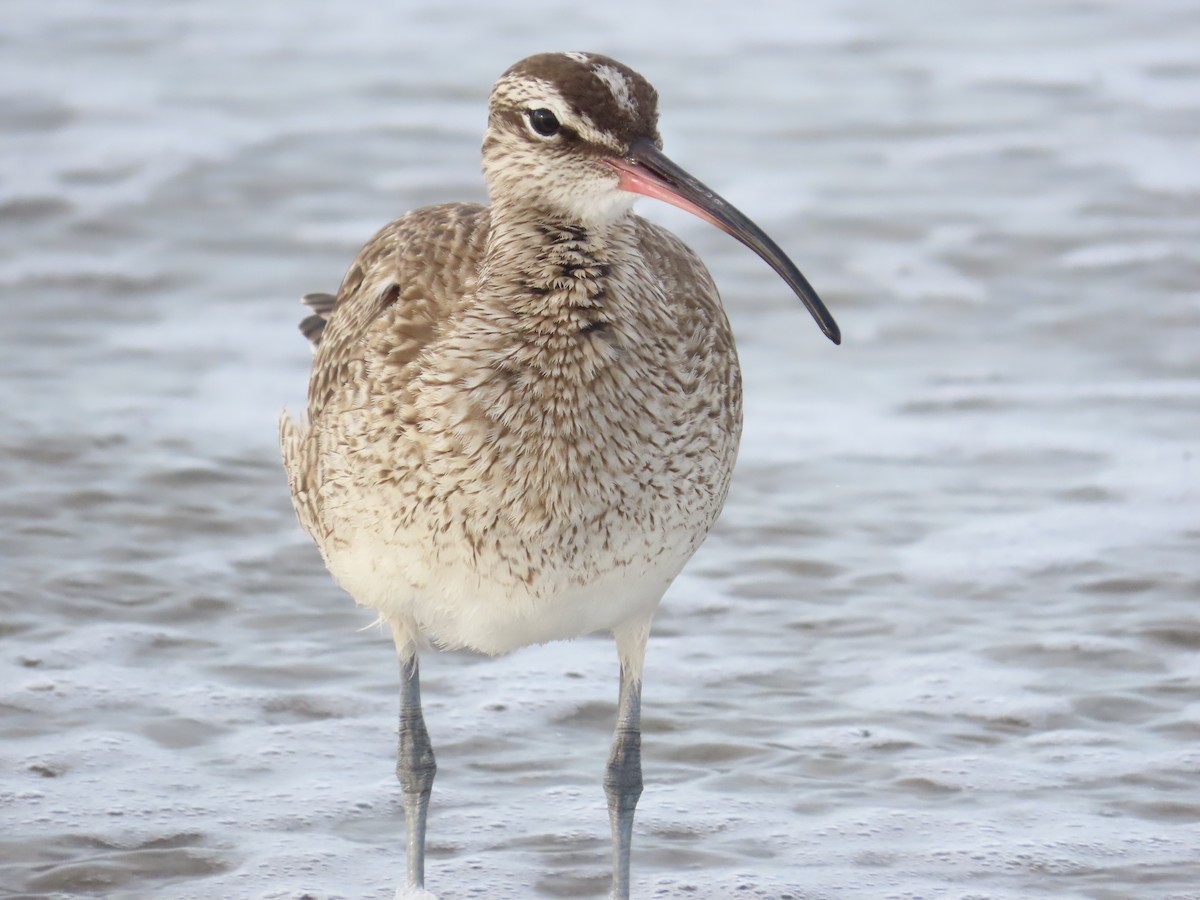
{"x":623,"y":778}
{"x":415,"y":766}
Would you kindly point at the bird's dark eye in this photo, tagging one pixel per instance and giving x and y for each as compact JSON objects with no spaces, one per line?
{"x":544,"y":122}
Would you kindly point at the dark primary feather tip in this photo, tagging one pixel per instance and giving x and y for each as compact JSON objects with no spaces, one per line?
{"x":320,"y":302}
{"x":312,"y":327}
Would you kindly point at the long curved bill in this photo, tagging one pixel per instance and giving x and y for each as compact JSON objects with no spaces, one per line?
{"x":645,"y":170}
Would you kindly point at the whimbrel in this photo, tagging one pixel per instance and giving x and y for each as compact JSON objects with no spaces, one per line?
{"x":523,"y":417}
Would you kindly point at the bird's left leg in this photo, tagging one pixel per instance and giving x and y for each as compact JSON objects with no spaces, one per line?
{"x":623,"y":777}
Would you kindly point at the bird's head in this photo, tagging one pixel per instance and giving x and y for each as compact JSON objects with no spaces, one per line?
{"x":574,"y":136}
{"x":555,"y":120}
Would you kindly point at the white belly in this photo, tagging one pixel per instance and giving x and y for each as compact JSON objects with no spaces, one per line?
{"x":495,"y":602}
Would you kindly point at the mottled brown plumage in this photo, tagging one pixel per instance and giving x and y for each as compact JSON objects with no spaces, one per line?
{"x":523,"y":418}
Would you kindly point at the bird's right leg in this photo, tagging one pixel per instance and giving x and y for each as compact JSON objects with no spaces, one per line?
{"x":415,"y":765}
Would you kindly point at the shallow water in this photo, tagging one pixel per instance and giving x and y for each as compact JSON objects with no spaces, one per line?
{"x":943,"y":643}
